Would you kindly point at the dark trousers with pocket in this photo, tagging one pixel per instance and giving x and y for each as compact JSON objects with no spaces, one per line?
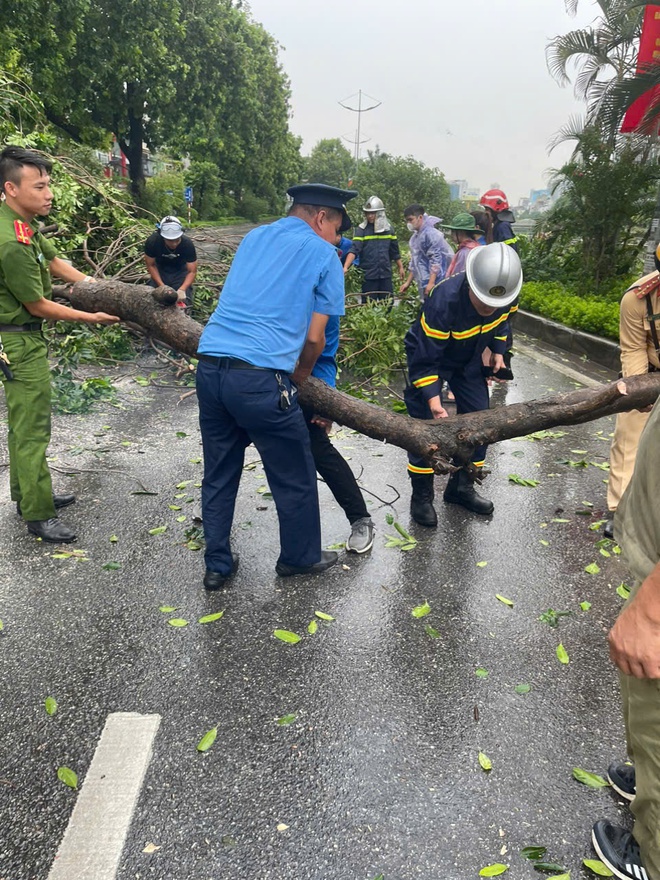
{"x":238,"y":407}
{"x":377,"y":289}
{"x":471,"y":393}
{"x":336,"y":472}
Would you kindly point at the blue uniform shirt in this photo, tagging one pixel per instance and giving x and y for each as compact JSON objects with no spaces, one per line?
{"x":325,"y":367}
{"x":280,"y":275}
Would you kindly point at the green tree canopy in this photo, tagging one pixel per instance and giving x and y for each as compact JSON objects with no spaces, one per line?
{"x":330,"y":163}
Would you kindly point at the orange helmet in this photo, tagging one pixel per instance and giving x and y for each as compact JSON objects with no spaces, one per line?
{"x":496,"y":200}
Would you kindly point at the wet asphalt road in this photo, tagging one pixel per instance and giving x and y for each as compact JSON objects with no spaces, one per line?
{"x":378,"y":773}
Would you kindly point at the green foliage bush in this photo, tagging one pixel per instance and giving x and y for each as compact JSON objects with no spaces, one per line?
{"x":559,"y":303}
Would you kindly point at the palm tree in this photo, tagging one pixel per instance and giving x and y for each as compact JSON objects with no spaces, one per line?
{"x":604,"y":53}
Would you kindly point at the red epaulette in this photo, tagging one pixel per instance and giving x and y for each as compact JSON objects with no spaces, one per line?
{"x":24,"y":232}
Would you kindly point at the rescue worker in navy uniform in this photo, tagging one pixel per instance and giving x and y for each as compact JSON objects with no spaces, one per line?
{"x":463,"y":315}
{"x":264,"y":337}
{"x":497,"y":206}
{"x":27,"y":260}
{"x":171,"y":259}
{"x":376,"y":245}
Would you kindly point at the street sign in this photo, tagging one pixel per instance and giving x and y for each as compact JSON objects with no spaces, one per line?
{"x":188,"y":194}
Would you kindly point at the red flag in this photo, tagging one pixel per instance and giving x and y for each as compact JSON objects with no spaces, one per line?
{"x":649,"y":53}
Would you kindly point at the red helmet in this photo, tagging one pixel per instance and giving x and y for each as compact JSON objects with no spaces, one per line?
{"x":495,"y":199}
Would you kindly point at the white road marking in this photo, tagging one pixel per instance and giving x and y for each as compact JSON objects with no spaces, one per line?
{"x":558,"y":366}
{"x":94,"y":838}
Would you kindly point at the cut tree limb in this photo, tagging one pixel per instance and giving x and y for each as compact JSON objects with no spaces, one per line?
{"x":438,"y":441}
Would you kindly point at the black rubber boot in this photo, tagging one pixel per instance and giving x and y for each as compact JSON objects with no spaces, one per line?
{"x":460,"y":490}
{"x":421,"y":503}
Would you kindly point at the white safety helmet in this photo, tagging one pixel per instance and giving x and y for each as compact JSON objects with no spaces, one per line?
{"x":373,"y":205}
{"x":494,"y":274}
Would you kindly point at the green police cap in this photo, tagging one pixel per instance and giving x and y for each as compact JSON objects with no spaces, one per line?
{"x":324,"y":197}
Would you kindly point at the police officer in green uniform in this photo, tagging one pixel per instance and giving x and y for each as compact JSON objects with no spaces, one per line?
{"x":27,"y":260}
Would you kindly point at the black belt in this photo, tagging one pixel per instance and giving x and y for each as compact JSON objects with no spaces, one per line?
{"x":21,"y":328}
{"x":234,"y":363}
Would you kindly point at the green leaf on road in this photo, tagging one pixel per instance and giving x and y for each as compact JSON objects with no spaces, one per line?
{"x":285,"y":635}
{"x":534,"y":853}
{"x":111,"y":566}
{"x":590,"y":779}
{"x":50,"y":704}
{"x":158,"y":530}
{"x":207,"y":740}
{"x":592,"y":568}
{"x":481,"y":672}
{"x":557,"y":520}
{"x":562,"y":654}
{"x":182,"y":485}
{"x":181,"y":434}
{"x":522,"y":688}
{"x":421,"y":610}
{"x":546,"y":867}
{"x":623,"y":590}
{"x":585,"y":606}
{"x":113,"y":539}
{"x":312,"y":626}
{"x":2,"y":626}
{"x":323,"y":616}
{"x":597,"y":867}
{"x":389,"y":519}
{"x":504,"y":600}
{"x":167,"y":609}
{"x":432,"y":632}
{"x":285,"y":720}
{"x":481,"y":564}
{"x":67,"y":776}
{"x":174,"y":506}
{"x":522,"y":481}
{"x":544,"y":543}
{"x":484,"y":760}
{"x":493,"y":870}
{"x":209,"y":618}
{"x":177,"y":621}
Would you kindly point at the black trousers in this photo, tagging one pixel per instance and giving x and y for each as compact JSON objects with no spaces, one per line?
{"x":336,"y":472}
{"x":175,"y":280}
{"x":377,"y":288}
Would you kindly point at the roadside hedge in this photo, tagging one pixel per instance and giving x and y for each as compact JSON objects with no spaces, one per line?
{"x":558,"y":303}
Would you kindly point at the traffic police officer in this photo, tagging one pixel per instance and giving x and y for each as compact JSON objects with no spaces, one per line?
{"x":463,"y":315}
{"x":264,"y":336}
{"x":27,"y":260}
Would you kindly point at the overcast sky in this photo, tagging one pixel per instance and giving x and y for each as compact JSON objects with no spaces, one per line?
{"x":463,"y":83}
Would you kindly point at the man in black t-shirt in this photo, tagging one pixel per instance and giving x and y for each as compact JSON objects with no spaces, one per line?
{"x":171,"y":259}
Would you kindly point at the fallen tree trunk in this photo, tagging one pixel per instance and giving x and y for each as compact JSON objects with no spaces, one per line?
{"x":438,"y":441}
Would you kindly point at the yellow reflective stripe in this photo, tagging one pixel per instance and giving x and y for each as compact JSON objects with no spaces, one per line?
{"x":424,"y":381}
{"x":513,"y":308}
{"x":511,"y":240}
{"x":493,"y":324}
{"x":479,"y":463}
{"x":501,"y":338}
{"x":466,"y":334}
{"x":418,"y":470}
{"x":374,"y":237}
{"x":434,"y":334}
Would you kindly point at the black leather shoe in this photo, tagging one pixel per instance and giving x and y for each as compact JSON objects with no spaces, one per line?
{"x":608,"y":529}
{"x":58,"y":500}
{"x":328,"y":559}
{"x":213,"y":580}
{"x":460,"y":490}
{"x":421,"y":502}
{"x":51,"y":530}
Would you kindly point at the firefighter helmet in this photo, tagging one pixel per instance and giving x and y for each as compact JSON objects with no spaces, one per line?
{"x":496,"y":200}
{"x":494,"y":274}
{"x":373,"y":205}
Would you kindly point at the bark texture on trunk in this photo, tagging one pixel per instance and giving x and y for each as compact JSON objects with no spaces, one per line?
{"x":438,"y":441}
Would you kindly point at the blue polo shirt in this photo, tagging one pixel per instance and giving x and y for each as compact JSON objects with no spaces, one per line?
{"x":325,"y":367}
{"x":280,"y":275}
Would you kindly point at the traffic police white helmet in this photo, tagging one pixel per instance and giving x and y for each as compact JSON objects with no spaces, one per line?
{"x":373,"y":204}
{"x":494,"y":274}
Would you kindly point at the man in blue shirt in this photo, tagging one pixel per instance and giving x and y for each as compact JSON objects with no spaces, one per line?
{"x":264,"y":337}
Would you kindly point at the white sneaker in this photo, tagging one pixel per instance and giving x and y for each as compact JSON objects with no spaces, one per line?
{"x":361,"y":538}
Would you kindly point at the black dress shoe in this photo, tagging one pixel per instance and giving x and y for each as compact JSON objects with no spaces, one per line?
{"x":608,"y":529}
{"x":51,"y":530}
{"x":213,"y":580}
{"x":328,"y":559}
{"x":58,"y":500}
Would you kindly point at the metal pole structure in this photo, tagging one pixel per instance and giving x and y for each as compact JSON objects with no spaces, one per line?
{"x":359,"y":110}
